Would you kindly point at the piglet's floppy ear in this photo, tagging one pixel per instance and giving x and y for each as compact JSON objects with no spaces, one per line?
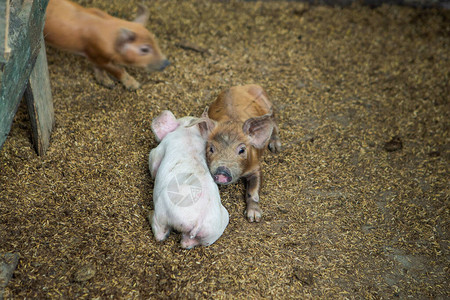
{"x":205,"y":124}
{"x":124,"y":36}
{"x":164,"y":124}
{"x":258,"y":130}
{"x":205,"y":112}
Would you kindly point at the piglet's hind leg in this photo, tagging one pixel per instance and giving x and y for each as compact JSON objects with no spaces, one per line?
{"x":160,"y":231}
{"x":103,"y":78}
{"x":187,"y":242}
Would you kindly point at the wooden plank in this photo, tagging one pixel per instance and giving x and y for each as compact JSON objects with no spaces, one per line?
{"x":39,"y":101}
{"x":25,"y":40}
{"x":8,"y":263}
{"x":5,"y":50}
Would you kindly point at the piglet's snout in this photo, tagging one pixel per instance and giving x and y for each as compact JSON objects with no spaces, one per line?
{"x":163,"y":64}
{"x":222,"y":175}
{"x":158,"y":66}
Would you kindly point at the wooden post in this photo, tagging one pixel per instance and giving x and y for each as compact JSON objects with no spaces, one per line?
{"x":26,"y":23}
{"x":39,"y":101}
{"x":4,"y":31}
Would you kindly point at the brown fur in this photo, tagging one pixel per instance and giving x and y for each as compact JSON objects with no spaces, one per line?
{"x":241,"y":118}
{"x":105,"y":40}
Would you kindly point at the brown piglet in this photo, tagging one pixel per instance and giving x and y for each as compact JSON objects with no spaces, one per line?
{"x":108,"y":42}
{"x":241,"y":125}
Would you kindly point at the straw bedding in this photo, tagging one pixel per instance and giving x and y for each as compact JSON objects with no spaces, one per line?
{"x":355,"y":206}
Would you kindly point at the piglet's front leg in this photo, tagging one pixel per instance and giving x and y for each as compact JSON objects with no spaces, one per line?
{"x":117,"y":72}
{"x":253,"y":210}
{"x":129,"y":82}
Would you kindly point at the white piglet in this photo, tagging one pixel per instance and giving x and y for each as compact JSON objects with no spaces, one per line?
{"x":185,"y":197}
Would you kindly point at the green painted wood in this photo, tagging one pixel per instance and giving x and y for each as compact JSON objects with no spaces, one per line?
{"x":39,"y":101}
{"x":25,"y":32}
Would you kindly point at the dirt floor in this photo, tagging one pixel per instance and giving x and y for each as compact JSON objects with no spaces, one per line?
{"x":355,"y":206}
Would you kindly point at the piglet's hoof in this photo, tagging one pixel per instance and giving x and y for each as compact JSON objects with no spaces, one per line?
{"x":253,"y":214}
{"x":133,"y":86}
{"x":107,"y":83}
{"x":130,"y":83}
{"x":188,"y":243}
{"x":103,"y":78}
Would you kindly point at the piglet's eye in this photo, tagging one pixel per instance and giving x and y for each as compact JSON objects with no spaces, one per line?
{"x":211,"y":149}
{"x":241,"y":150}
{"x":146,"y":49}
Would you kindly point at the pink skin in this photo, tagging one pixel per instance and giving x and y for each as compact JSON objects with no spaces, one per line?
{"x":185,"y":197}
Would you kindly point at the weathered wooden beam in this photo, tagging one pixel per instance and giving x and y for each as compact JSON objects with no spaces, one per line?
{"x":25,"y":34}
{"x":39,"y":101}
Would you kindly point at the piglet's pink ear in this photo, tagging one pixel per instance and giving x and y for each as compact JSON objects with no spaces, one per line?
{"x":206,"y":125}
{"x":164,"y":124}
{"x":258,"y":130}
